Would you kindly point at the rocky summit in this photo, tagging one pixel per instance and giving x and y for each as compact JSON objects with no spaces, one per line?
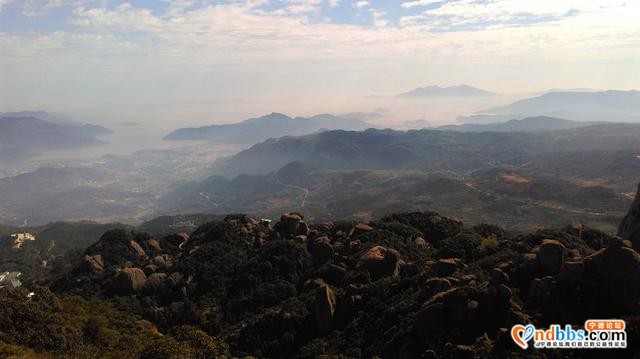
{"x":409,"y":285}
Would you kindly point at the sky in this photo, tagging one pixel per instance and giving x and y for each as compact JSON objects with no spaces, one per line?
{"x":188,"y":61}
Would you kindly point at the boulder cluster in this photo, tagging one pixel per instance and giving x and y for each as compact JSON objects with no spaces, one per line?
{"x":412,"y":285}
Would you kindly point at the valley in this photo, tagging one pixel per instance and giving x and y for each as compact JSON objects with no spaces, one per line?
{"x":517,"y":176}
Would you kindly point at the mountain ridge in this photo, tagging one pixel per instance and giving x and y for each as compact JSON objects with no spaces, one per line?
{"x":422,"y":149}
{"x":610,"y":106}
{"x":527,"y":124}
{"x":26,"y":137}
{"x":258,"y":129}
{"x":447,"y":91}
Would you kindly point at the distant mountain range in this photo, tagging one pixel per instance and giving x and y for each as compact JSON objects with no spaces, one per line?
{"x":452,"y":91}
{"x":58,"y":119}
{"x":520,"y":178}
{"x":611,"y":106}
{"x":269,"y":126}
{"x":423,"y":149}
{"x":414,"y":125}
{"x":529,"y":124}
{"x":22,"y":137}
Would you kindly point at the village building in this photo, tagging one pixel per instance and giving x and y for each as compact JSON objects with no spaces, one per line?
{"x":10,"y":280}
{"x":20,"y":238}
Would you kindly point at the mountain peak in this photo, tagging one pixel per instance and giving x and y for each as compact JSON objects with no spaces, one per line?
{"x":461,"y":90}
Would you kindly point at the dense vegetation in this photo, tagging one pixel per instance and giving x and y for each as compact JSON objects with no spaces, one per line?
{"x":57,"y":247}
{"x":516,"y":199}
{"x":425,"y":150}
{"x":410,"y":285}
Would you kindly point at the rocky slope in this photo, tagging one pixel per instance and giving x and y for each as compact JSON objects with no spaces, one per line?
{"x":411,"y":285}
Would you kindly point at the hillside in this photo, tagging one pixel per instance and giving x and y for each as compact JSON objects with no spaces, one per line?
{"x":519,"y":180}
{"x":613,"y":106}
{"x":57,"y":119}
{"x":60,"y":244}
{"x":25,"y":137}
{"x":57,"y":245}
{"x":529,"y":124}
{"x":269,"y":126}
{"x":430,"y":150}
{"x":514,"y":199}
{"x":406,"y":284}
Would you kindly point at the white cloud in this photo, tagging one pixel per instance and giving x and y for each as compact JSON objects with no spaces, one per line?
{"x":361,"y":4}
{"x":235,"y":29}
{"x":124,"y":17}
{"x":302,"y":6}
{"x":334,"y":3}
{"x":411,"y":20}
{"x":241,"y":28}
{"x":478,"y":15}
{"x":417,"y":3}
{"x":33,"y":8}
{"x":379,"y":18}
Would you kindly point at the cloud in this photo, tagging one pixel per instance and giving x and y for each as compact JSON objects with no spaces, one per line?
{"x":379,"y":18}
{"x":33,"y":8}
{"x":418,"y":3}
{"x":361,"y":4}
{"x":480,"y":14}
{"x":247,"y":48}
{"x":302,"y":6}
{"x":236,"y":28}
{"x":123,"y":18}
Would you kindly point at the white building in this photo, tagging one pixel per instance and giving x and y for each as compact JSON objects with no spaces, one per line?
{"x":20,"y":238}
{"x":10,"y":279}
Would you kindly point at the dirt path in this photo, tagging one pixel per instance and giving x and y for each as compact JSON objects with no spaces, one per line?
{"x":304,"y":190}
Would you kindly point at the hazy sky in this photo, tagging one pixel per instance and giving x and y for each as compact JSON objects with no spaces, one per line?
{"x":208,"y":61}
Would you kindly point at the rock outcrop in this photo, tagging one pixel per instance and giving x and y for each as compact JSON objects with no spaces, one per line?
{"x":323,"y":309}
{"x":291,"y":225}
{"x":94,"y":264}
{"x":380,"y":262}
{"x":629,"y":228}
{"x":129,"y":280}
{"x":551,"y":255}
{"x":426,"y":286}
{"x":321,"y":250}
{"x":447,"y":266}
{"x":155,"y":281}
